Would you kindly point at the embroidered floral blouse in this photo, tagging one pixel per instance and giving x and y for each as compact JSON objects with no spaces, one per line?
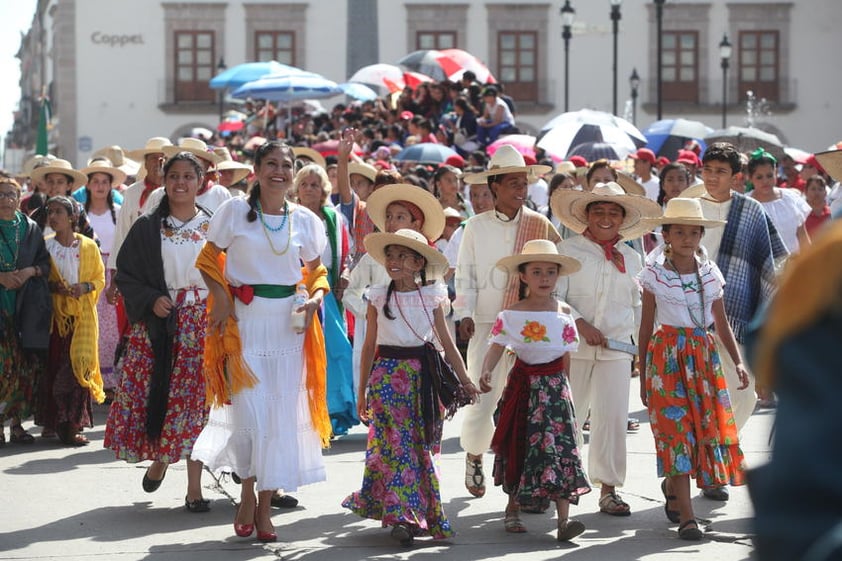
{"x":535,"y":337}
{"x":677,"y":300}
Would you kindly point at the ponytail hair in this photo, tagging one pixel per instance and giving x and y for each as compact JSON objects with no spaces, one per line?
{"x":259,"y":155}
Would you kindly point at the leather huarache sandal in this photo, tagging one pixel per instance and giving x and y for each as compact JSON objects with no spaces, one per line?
{"x":513,"y":523}
{"x":17,"y":435}
{"x":569,"y":529}
{"x":402,"y":533}
{"x":672,"y":515}
{"x":199,"y":505}
{"x":690,"y":531}
{"x":612,"y":504}
{"x":474,"y":477}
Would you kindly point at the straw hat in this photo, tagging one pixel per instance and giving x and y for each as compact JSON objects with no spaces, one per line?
{"x":566,"y":167}
{"x":543,"y":251}
{"x":685,"y":211}
{"x":452,"y":213}
{"x":226,"y":162}
{"x":695,"y":191}
{"x":310,"y":154}
{"x":570,"y":207}
{"x":831,"y":161}
{"x":375,"y":245}
{"x":154,"y":145}
{"x":196,"y":147}
{"x":379,"y":200}
{"x":506,"y":160}
{"x":629,"y":185}
{"x":366,"y":170}
{"x":103,"y":165}
{"x":60,"y":166}
{"x":37,"y":160}
{"x":118,"y":158}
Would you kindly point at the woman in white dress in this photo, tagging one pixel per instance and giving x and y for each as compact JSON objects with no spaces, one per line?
{"x":271,"y":433}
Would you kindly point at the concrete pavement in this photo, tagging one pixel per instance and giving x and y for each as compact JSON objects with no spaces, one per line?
{"x":82,"y":504}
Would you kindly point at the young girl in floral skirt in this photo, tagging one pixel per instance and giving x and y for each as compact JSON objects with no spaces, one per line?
{"x":681,"y":379}
{"x":400,"y":482}
{"x":535,"y":440}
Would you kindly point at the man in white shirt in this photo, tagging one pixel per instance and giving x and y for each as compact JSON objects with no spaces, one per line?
{"x":644,"y":161}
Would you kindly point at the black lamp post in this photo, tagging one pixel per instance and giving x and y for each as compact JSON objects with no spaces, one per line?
{"x":634,"y":83}
{"x":659,"y":20}
{"x":568,"y":14}
{"x":615,"y":19}
{"x":725,"y":56}
{"x":221,"y":68}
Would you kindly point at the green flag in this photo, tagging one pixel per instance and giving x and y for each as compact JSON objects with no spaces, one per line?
{"x":41,"y":144}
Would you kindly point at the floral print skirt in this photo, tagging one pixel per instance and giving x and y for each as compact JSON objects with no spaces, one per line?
{"x":125,"y":431}
{"x":552,"y":464}
{"x":400,"y":480}
{"x":109,"y":336}
{"x":17,"y":373}
{"x":690,"y":408}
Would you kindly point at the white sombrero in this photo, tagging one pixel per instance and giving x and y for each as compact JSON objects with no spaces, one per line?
{"x":571,"y":207}
{"x":629,"y":184}
{"x":154,"y":145}
{"x":831,"y":161}
{"x":104,"y":165}
{"x":366,"y":170}
{"x":118,"y":159}
{"x":60,"y":166}
{"x":226,"y":162}
{"x":196,"y":147}
{"x":376,"y":243}
{"x":681,"y":210}
{"x":384,"y":196}
{"x":539,"y":251}
{"x":695,"y":191}
{"x":506,"y":160}
{"x":310,"y":154}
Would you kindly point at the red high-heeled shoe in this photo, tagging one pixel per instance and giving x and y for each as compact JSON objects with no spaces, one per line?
{"x":267,"y":537}
{"x":244,"y":530}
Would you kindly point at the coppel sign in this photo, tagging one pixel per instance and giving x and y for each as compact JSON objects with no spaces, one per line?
{"x":115,"y":40}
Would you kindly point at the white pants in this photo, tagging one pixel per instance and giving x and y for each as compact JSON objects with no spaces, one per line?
{"x":477,"y":421}
{"x":742,"y":401}
{"x":359,"y":339}
{"x":602,"y":386}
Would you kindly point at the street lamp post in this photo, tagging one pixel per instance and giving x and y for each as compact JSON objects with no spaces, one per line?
{"x":568,"y":14}
{"x":615,"y":19}
{"x":725,"y":56}
{"x":221,"y":68}
{"x":634,"y":83}
{"x":659,"y":20}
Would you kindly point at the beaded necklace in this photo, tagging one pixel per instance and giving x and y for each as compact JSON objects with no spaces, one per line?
{"x":267,"y":229}
{"x":10,"y":265}
{"x":697,"y":322}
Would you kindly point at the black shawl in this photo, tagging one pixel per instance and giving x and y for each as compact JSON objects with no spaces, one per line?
{"x":33,"y":305}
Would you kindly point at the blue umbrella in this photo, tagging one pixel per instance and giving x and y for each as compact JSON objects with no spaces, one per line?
{"x":238,"y":75}
{"x":668,"y":136}
{"x":289,"y":87}
{"x":358,"y":91}
{"x":426,"y":153}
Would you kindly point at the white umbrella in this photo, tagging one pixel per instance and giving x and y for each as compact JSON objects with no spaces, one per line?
{"x":573,"y":128}
{"x":289,"y":87}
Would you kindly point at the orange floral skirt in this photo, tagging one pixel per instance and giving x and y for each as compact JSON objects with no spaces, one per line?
{"x":690,"y":408}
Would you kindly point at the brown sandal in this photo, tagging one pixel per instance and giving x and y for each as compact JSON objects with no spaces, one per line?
{"x":17,"y":435}
{"x":513,"y":523}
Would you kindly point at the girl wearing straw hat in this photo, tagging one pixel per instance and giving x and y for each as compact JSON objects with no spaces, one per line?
{"x":606,"y":298}
{"x":535,"y":439}
{"x":398,"y":396}
{"x":681,"y":378}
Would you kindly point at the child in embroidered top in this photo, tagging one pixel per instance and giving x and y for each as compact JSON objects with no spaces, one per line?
{"x":400,"y":484}
{"x":681,"y":379}
{"x":535,"y":440}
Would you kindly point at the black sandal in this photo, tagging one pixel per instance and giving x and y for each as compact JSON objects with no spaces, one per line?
{"x":685,"y":532}
{"x":672,"y":515}
{"x":199,"y":505}
{"x":17,"y":435}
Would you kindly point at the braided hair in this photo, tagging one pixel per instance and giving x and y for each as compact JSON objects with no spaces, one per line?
{"x":109,"y":199}
{"x":386,"y":310}
{"x":259,"y":154}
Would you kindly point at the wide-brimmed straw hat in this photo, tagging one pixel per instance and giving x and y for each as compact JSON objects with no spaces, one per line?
{"x":60,"y":166}
{"x":379,"y":201}
{"x":506,"y":160}
{"x":694,"y":191}
{"x":196,"y":147}
{"x":104,"y":165}
{"x":688,"y":212}
{"x":629,"y":184}
{"x":831,"y":161}
{"x":154,"y":145}
{"x":226,"y":162}
{"x":310,"y":154}
{"x":366,"y":170}
{"x":543,"y":251}
{"x":571,"y":207}
{"x":118,"y":159}
{"x":38,"y":160}
{"x":376,"y":243}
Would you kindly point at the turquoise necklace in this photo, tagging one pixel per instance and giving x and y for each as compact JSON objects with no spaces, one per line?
{"x":8,"y":261}
{"x":263,"y":220}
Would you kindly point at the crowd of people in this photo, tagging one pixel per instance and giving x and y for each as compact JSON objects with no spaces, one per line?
{"x":241,"y":303}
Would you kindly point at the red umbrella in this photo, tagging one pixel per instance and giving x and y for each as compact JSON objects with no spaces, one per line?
{"x":331,"y":148}
{"x":388,"y":76}
{"x":230,"y":126}
{"x":456,"y":61}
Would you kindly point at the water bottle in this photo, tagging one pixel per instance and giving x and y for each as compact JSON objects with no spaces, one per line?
{"x":298,"y":300}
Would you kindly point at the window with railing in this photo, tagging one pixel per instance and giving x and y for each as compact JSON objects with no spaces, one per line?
{"x":518,"y":63}
{"x":194,"y":65}
{"x":275,"y":45}
{"x":758,"y":54}
{"x":680,"y":70}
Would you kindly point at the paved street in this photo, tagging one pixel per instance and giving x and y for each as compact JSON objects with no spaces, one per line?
{"x":81,"y":504}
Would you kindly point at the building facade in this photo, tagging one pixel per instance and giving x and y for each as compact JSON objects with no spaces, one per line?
{"x":119,"y":72}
